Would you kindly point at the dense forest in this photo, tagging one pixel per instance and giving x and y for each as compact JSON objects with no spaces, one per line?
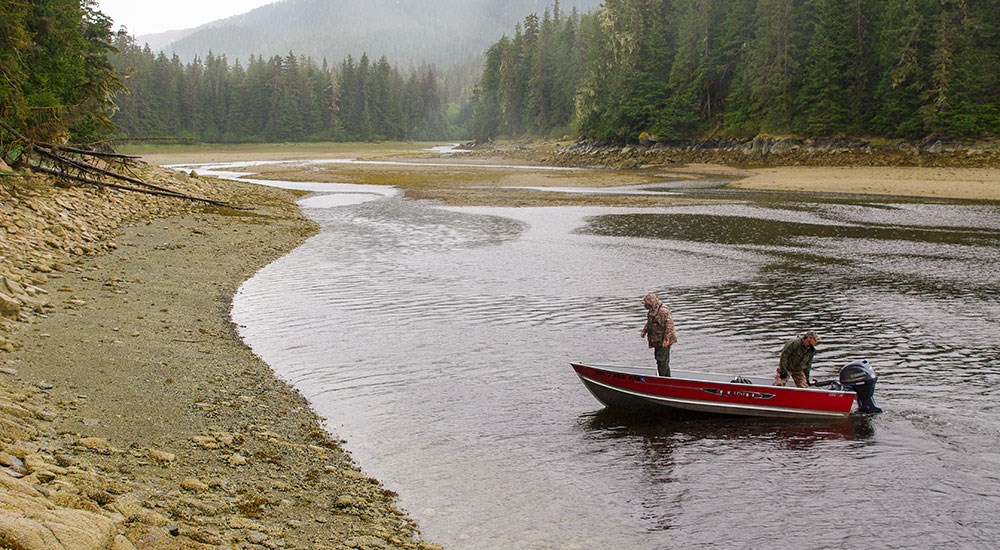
{"x":630,"y":70}
{"x":56,"y":80}
{"x":681,"y":69}
{"x":283,"y":98}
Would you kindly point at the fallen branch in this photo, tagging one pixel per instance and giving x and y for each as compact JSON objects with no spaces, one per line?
{"x":99,"y":183}
{"x":61,"y":164}
{"x":99,"y":154}
{"x":87,"y":167}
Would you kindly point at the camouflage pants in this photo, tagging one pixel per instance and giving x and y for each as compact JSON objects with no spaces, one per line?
{"x":800,"y":378}
{"x":662,"y":355}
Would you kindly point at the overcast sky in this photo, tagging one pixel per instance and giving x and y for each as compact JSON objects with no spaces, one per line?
{"x":152,"y":16}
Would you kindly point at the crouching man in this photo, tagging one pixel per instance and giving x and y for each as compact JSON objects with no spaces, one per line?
{"x":796,"y":360}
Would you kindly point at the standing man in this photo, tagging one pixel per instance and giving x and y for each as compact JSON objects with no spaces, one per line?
{"x":659,"y":331}
{"x":796,"y":360}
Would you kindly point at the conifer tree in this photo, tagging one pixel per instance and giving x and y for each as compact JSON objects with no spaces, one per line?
{"x":57,"y":81}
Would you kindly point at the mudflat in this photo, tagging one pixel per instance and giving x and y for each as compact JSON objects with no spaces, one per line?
{"x":505,"y":187}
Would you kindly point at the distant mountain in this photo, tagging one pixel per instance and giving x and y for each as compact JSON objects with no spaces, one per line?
{"x":442,"y":32}
{"x":163,"y":40}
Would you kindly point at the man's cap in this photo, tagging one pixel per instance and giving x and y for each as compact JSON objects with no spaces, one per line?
{"x":811,"y":334}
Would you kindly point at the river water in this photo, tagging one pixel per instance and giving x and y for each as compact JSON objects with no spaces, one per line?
{"x":437,"y":342}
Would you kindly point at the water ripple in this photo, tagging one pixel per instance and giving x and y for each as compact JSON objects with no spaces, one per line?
{"x":437,"y":340}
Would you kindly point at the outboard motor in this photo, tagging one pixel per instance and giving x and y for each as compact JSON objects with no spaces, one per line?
{"x":860,"y":377}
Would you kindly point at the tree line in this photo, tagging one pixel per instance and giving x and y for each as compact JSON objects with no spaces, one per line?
{"x":683,"y":69}
{"x":283,"y":98}
{"x":675,"y":69}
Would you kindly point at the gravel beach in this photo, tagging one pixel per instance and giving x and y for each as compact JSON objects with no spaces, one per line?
{"x":131,"y":413}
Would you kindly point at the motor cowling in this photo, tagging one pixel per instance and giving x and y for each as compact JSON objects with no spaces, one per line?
{"x":860,"y":376}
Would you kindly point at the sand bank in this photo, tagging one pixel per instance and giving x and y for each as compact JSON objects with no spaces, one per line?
{"x":939,"y":183}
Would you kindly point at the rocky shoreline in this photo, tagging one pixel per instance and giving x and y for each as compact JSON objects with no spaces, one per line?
{"x":131,"y":413}
{"x":752,"y":153}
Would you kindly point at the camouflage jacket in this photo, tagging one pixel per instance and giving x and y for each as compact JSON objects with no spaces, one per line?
{"x":797,"y":356}
{"x":659,"y":325}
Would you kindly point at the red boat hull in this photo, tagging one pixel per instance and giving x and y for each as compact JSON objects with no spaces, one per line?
{"x":695,"y":392}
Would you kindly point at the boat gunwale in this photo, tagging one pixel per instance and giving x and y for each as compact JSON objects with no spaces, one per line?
{"x":685,"y":375}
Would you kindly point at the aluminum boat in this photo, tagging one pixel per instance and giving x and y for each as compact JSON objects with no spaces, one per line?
{"x":699,"y":392}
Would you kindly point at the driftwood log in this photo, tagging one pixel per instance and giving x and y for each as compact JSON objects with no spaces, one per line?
{"x":71,"y":163}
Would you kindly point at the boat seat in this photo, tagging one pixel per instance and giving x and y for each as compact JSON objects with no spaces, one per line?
{"x":740,"y":380}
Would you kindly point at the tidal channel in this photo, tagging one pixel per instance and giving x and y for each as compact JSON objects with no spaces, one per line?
{"x":437,"y":342}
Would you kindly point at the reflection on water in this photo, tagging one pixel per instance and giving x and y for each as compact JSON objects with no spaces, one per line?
{"x":437,"y":342}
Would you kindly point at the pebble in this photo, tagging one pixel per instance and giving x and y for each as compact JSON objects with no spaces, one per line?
{"x":45,"y":476}
{"x":162,"y":456}
{"x":94,"y":443}
{"x":12,"y":473}
{"x":344,"y":501}
{"x":205,"y":441}
{"x":13,"y":464}
{"x":195,"y":485}
{"x":244,"y":523}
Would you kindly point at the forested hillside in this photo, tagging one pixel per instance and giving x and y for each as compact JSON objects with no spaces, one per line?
{"x":439,"y":32}
{"x":629,"y":70}
{"x":679,"y":69}
{"x":282,"y":98}
{"x":330,"y":70}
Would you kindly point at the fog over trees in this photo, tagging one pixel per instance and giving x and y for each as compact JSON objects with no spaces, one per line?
{"x":316,"y":70}
{"x":281,"y":98}
{"x":408,"y":32}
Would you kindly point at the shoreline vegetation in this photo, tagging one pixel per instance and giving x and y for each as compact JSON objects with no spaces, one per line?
{"x":133,"y":416}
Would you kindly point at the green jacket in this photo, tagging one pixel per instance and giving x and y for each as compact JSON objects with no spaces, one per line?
{"x":797,"y":356}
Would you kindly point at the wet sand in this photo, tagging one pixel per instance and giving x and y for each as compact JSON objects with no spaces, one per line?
{"x":497,"y":187}
{"x":940,"y":183}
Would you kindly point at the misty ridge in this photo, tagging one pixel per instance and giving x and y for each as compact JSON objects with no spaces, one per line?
{"x":408,"y":32}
